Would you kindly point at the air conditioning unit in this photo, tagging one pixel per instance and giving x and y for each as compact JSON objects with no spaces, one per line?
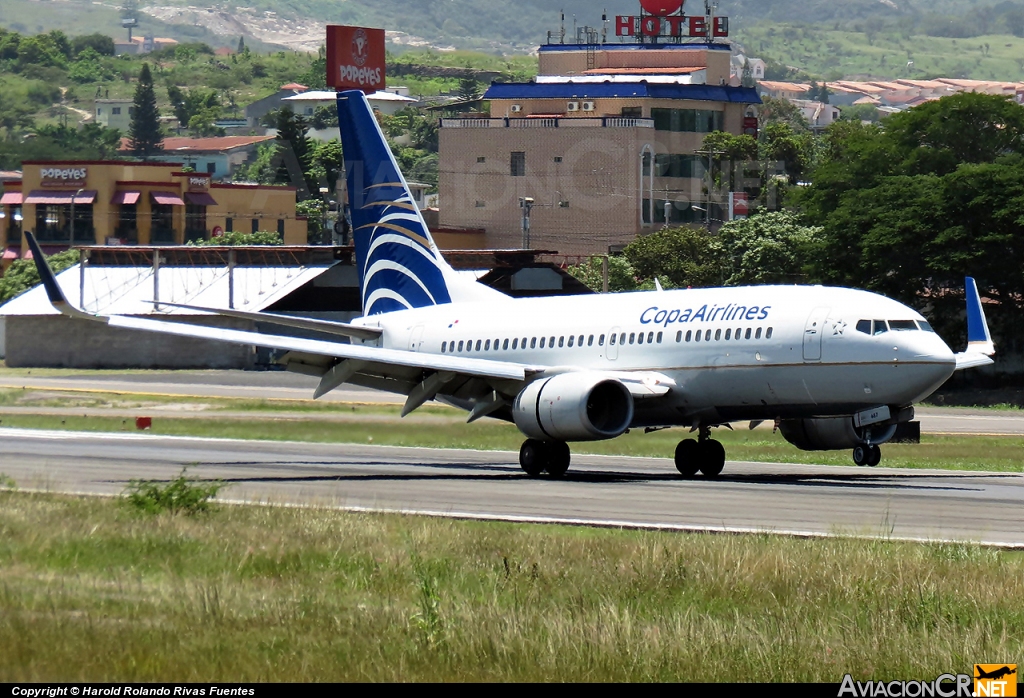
{"x":517,"y":108}
{"x":573,"y":106}
{"x":589,"y":106}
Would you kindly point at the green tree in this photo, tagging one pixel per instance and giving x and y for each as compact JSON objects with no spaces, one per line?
{"x":239,"y":239}
{"x":621,"y":275}
{"x":22,"y":275}
{"x":291,"y":131}
{"x":145,"y":138}
{"x":769,"y":248}
{"x":261,"y":169}
{"x":682,"y":257}
{"x":779,"y":110}
{"x":193,"y":102}
{"x":102,"y":44}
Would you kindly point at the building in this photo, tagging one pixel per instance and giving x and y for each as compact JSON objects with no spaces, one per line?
{"x":218,"y":156}
{"x":137,"y":203}
{"x":818,"y":114}
{"x":603,"y":146}
{"x":255,"y":111}
{"x":114,"y":113}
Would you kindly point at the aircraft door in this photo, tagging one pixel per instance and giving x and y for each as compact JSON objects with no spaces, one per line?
{"x":416,"y":338}
{"x":611,"y":347}
{"x":813,"y":333}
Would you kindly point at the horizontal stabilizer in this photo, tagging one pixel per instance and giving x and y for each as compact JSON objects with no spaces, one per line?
{"x":967,"y":360}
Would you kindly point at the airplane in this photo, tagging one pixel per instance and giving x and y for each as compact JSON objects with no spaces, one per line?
{"x":997,"y":674}
{"x":834,"y":368}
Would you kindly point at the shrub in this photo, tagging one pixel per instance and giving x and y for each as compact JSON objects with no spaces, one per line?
{"x":183,"y":495}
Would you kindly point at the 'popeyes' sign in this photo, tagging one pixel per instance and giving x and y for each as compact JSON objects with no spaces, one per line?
{"x":63,"y":176}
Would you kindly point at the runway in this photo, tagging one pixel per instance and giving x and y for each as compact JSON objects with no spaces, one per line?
{"x":599,"y":490}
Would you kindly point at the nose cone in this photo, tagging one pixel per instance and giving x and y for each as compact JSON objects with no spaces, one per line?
{"x":933,"y":361}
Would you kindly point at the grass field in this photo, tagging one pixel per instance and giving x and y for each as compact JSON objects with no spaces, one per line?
{"x":442,"y":427}
{"x":92,"y":591}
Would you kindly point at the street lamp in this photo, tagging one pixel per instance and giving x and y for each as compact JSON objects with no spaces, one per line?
{"x":71,"y":242}
{"x":526,"y":203}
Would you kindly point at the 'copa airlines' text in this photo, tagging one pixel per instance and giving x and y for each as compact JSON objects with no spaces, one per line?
{"x":725,"y":313}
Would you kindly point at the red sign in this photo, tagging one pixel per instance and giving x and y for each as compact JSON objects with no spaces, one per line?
{"x":750,"y":126}
{"x":739,"y":205}
{"x":661,"y":8}
{"x":218,"y":232}
{"x":675,"y":25}
{"x":355,"y":58}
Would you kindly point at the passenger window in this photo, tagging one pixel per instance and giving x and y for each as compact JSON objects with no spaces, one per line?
{"x":487,"y":347}
{"x":880,"y":327}
{"x":707,"y":336}
{"x":580,"y":342}
{"x":612,"y":340}
{"x":632,"y":337}
{"x":689,"y":334}
{"x":768,"y":335}
{"x":444,"y":345}
{"x":478,"y":344}
{"x":460,"y":346}
{"x":543,"y":341}
{"x":650,"y":337}
{"x":758,"y":335}
{"x":739,"y":333}
{"x":728,"y":334}
{"x":748,"y":333}
{"x":640,"y":339}
{"x":515,"y":343}
{"x":864,"y":326}
{"x":533,"y":343}
{"x":590,"y":341}
{"x":600,"y":341}
{"x":659,"y":337}
{"x":679,"y":336}
{"x":699,"y":334}
{"x":572,"y":341}
{"x":622,"y":338}
{"x":718,"y":335}
{"x":551,"y":343}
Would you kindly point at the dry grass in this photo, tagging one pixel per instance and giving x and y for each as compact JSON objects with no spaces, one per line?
{"x":90,"y":590}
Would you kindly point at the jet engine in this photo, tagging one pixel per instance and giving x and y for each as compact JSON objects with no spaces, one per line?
{"x":833,"y":433}
{"x":574,"y":407}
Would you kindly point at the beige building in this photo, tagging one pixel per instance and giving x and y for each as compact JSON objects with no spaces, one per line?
{"x":137,"y":203}
{"x":605,"y":142}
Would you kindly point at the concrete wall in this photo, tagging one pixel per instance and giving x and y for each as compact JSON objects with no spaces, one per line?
{"x":55,"y":341}
{"x":3,"y":337}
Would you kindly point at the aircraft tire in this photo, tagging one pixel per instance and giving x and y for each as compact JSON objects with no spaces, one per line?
{"x":712,"y":458}
{"x":874,"y":456}
{"x":688,"y":457}
{"x":533,"y":457}
{"x":559,"y":458}
{"x":861,"y":454}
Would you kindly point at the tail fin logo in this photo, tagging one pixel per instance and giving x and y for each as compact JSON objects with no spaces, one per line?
{"x":399,"y":266}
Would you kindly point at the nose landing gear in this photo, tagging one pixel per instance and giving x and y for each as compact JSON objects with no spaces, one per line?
{"x":705,"y":455}
{"x":867,"y":454}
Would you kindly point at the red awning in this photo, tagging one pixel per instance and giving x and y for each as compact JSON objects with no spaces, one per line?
{"x":48,"y":250}
{"x":11,"y":198}
{"x":11,"y":253}
{"x":200,"y":198}
{"x":126,"y":198}
{"x":40,"y":196}
{"x":166,"y":198}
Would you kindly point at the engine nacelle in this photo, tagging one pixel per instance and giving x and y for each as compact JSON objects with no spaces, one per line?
{"x":574,"y":407}
{"x":832,"y":433}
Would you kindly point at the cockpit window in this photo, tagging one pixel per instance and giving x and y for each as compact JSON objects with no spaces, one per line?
{"x":881,"y":327}
{"x":925,"y":326}
{"x":902,"y":325}
{"x":864,"y":326}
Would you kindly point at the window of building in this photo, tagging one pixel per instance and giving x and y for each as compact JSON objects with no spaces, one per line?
{"x":558,"y":158}
{"x":255,"y":225}
{"x":99,"y":111}
{"x":195,"y":222}
{"x":481,"y":204}
{"x":131,"y":110}
{"x":518,"y":164}
{"x":280,"y":227}
{"x":229,"y":225}
{"x":679,"y":166}
{"x":481,"y":160}
{"x":162,"y":221}
{"x":127,"y":223}
{"x":211,"y":168}
{"x":115,"y":110}
{"x":632,"y":112}
{"x":688,"y":120}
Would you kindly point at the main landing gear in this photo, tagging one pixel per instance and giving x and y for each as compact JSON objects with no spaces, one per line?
{"x":536,"y":457}
{"x":867,"y":454}
{"x":705,"y":455}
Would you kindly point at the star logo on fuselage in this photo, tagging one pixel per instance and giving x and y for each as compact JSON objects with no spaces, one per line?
{"x":838,"y":327}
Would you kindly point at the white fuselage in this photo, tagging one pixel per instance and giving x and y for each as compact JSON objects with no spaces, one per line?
{"x":734,"y":353}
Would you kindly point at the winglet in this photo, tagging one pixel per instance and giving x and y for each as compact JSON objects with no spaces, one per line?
{"x":979,"y":339}
{"x":53,"y":289}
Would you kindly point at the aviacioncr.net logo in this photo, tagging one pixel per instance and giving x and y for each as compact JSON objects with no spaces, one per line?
{"x":945,"y":686}
{"x":995,"y":680}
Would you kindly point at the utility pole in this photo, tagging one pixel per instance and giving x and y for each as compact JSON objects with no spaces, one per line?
{"x":71,"y":241}
{"x":526,"y":203}
{"x":710,"y":153}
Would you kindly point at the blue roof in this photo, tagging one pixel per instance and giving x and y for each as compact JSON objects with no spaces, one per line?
{"x":597,"y":90}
